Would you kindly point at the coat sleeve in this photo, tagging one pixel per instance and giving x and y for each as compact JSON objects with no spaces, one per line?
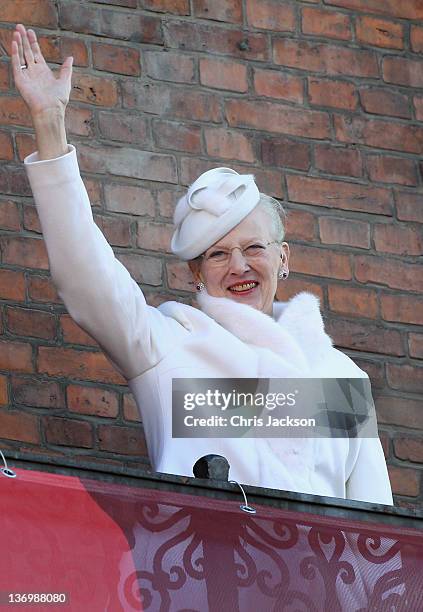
{"x":97,"y":289}
{"x":369,"y":479}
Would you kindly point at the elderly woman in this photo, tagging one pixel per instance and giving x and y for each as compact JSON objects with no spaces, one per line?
{"x":231,"y":236}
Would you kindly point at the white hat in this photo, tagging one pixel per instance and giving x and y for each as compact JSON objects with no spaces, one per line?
{"x":214,"y":204}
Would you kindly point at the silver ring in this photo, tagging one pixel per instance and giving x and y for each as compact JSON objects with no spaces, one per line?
{"x":24,"y":66}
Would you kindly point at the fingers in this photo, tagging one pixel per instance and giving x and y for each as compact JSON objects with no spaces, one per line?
{"x":27,"y":51}
{"x":36,"y":51}
{"x":16,"y":62}
{"x":17,"y":38}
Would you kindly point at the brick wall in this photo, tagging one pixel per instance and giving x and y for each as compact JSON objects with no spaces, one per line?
{"x":322,"y":101}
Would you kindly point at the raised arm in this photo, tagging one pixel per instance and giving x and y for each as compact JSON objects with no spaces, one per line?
{"x":96,"y":288}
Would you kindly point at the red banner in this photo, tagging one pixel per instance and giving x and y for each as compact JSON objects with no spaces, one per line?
{"x":109,"y":546}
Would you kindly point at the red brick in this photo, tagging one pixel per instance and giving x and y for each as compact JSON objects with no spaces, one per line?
{"x":399,"y":411}
{"x":16,"y":356}
{"x":127,"y":162}
{"x":167,"y":199}
{"x":79,"y":121}
{"x":33,"y":323}
{"x":398,"y":239}
{"x":6,"y":146}
{"x":94,"y":190}
{"x":379,"y":32}
{"x":330,"y":24}
{"x":402,"y":308}
{"x":113,"y":58}
{"x":365,"y":337}
{"x":142,"y":268}
{"x":329,"y":59}
{"x":12,"y":285}
{"x":338,"y":160}
{"x":169,"y":66}
{"x":229,"y":144}
{"x":122,"y":440}
{"x":179,"y":276}
{"x":126,"y":25}
{"x":117,"y":230}
{"x":3,"y":390}
{"x":405,"y":377}
{"x":409,"y":206}
{"x":177,"y":7}
{"x":14,"y":111}
{"x":390,"y":272}
{"x":409,"y":448}
{"x":181,"y":103}
{"x":19,"y":425}
{"x":300,"y":225}
{"x":14,"y":181}
{"x":130,"y":408}
{"x":403,"y":71}
{"x":83,"y":365}
{"x":223,"y":74}
{"x":338,"y":194}
{"x":404,"y":481}
{"x":268,"y":181}
{"x":415,"y":345}
{"x":37,"y":393}
{"x":385,"y":441}
{"x":216,"y":39}
{"x":412,"y":9}
{"x":56,"y":48}
{"x":353,"y":301}
{"x":41,"y":289}
{"x":270,"y":15}
{"x":25,"y":252}
{"x":385,"y":102}
{"x":219,"y":10}
{"x":154,"y":236}
{"x":287,"y":290}
{"x":4,"y":77}
{"x":380,"y":134}
{"x":320,"y":262}
{"x":73,"y":334}
{"x":31,"y":221}
{"x":25,"y":144}
{"x":334,"y":230}
{"x":337,"y":94}
{"x":93,"y":90}
{"x":34,"y":12}
{"x":416,"y":38}
{"x":418,"y":105}
{"x":129,"y":199}
{"x":68,"y":432}
{"x":283,"y":152}
{"x":386,"y":169}
{"x":177,"y":136}
{"x":9,"y":215}
{"x":272,"y":117}
{"x":375,"y":371}
{"x":124,"y":128}
{"x":92,"y":401}
{"x":276,"y":84}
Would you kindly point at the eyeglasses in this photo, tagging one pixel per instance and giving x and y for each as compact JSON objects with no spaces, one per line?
{"x":220,"y":257}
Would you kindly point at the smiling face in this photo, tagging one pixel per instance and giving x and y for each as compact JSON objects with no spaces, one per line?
{"x":249,"y":280}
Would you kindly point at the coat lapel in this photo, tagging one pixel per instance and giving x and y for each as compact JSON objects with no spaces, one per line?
{"x":296,"y":331}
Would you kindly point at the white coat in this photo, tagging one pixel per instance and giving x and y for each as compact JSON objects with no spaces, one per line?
{"x":224,"y":339}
